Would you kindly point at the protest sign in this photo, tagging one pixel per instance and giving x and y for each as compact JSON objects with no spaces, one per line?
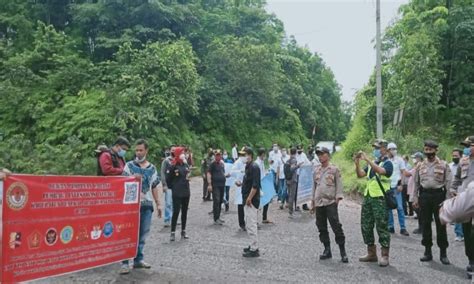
{"x":305,"y":185}
{"x":268,"y":189}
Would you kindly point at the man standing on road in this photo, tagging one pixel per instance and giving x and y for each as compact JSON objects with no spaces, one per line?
{"x":292,"y":180}
{"x":263,"y":172}
{"x":216,"y":185}
{"x":432,"y":182}
{"x":169,"y":154}
{"x":374,"y":211}
{"x":327,"y":192}
{"x":145,"y":170}
{"x":463,"y":177}
{"x":282,"y":189}
{"x":251,"y":187}
{"x":205,"y":163}
{"x":238,"y":169}
{"x":396,"y":186}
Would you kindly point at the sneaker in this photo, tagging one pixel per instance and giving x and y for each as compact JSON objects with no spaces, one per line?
{"x":267,"y":222}
{"x":125,"y":269}
{"x":404,"y":232}
{"x":220,"y":220}
{"x":247,"y":249}
{"x":172,"y":237}
{"x":167,"y":224}
{"x":459,"y":239}
{"x":281,"y":206}
{"x":218,"y":223}
{"x":305,"y":207}
{"x":184,"y":235}
{"x":417,"y":231}
{"x":142,"y":265}
{"x":391,"y":230}
{"x":242,"y":229}
{"x":251,"y":253}
{"x":297,"y":209}
{"x":227,"y":208}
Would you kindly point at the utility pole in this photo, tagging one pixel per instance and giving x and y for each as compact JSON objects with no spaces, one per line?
{"x":379,"y":75}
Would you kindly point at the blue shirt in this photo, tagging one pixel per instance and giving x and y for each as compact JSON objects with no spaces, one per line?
{"x":150,"y":177}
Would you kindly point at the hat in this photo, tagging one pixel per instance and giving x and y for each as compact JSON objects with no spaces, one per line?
{"x":217,"y":152}
{"x":380,"y":143}
{"x":431,"y":144}
{"x":322,"y":150}
{"x":101,"y":148}
{"x":417,"y":155}
{"x":299,"y":148}
{"x":391,"y":145}
{"x":242,"y":151}
{"x":468,"y":141}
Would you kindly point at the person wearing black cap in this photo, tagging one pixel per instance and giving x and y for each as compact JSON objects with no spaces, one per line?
{"x":327,"y":193}
{"x":462,"y":178}
{"x":432,"y":181}
{"x":374,"y":210}
{"x":251,"y":187}
{"x":216,"y":185}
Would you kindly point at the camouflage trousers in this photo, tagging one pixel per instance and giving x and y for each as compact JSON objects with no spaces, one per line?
{"x":374,"y":214}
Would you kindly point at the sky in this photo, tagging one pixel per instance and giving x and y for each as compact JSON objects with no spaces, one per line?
{"x":342,"y":32}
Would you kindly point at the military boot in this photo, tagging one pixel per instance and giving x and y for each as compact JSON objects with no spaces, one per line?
{"x":371,"y":255}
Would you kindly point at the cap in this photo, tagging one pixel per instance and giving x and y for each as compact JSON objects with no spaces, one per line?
{"x":391,"y":145}
{"x":379,"y":143}
{"x":468,"y":141}
{"x":299,"y":148}
{"x":217,"y":152}
{"x":417,"y":155}
{"x":321,"y":150}
{"x":242,"y":151}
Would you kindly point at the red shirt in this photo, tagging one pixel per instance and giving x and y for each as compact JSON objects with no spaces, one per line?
{"x":107,"y":167}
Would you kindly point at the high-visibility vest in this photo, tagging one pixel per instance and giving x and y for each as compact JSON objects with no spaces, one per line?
{"x":373,"y":189}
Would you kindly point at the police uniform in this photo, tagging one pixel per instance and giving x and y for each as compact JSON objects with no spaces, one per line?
{"x":327,"y":190}
{"x":462,"y":178}
{"x":432,"y":179}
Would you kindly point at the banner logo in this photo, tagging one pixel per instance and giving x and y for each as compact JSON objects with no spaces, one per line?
{"x":17,"y":196}
{"x":66,"y":234}
{"x":51,"y":237}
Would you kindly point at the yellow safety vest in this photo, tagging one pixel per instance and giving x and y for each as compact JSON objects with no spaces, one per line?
{"x":373,"y":189}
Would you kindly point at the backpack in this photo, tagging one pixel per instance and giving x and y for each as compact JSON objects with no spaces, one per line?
{"x":101,"y":150}
{"x":287,"y":170}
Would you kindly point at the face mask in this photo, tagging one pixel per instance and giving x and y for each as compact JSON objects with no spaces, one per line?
{"x":456,"y":160}
{"x":430,"y":155}
{"x":183,"y":158}
{"x":467,"y":152}
{"x":275,"y":149}
{"x":414,"y":161}
{"x":225,"y":157}
{"x":243,"y":159}
{"x":394,"y":152}
{"x":283,"y":153}
{"x":299,"y":152}
{"x":377,"y":153}
{"x":138,"y":160}
{"x":122,"y":153}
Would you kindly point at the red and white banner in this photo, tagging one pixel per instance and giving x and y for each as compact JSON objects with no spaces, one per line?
{"x":53,"y":225}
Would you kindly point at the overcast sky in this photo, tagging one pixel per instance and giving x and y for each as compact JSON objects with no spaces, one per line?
{"x":341,"y":31}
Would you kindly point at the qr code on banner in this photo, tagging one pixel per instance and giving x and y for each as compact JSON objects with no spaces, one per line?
{"x":131,"y":193}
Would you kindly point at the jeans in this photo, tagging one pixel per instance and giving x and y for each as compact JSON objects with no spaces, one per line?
{"x":217,"y":197}
{"x":168,"y":205}
{"x":180,"y":204}
{"x":145,"y":223}
{"x":226,"y":195}
{"x":400,"y":212}
{"x":458,"y":230}
{"x":282,"y":193}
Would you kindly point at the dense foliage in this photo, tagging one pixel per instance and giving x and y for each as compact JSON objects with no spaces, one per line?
{"x":428,"y":70}
{"x":201,"y":72}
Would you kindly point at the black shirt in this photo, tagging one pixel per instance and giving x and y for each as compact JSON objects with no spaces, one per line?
{"x":217,"y":171}
{"x":176,"y":179}
{"x":251,"y":180}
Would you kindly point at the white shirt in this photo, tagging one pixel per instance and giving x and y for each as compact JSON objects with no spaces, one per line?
{"x":398,"y":166}
{"x":235,"y":155}
{"x":276,"y":158}
{"x":454,"y":168}
{"x":261,"y":165}
{"x":302,"y":158}
{"x":281,"y":165}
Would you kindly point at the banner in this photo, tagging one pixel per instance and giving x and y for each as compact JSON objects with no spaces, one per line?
{"x":268,"y":189}
{"x":305,"y":185}
{"x":54,"y":225}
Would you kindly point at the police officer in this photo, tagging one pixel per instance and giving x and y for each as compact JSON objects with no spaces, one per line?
{"x":432,"y":179}
{"x":462,"y":178}
{"x":327,"y":192}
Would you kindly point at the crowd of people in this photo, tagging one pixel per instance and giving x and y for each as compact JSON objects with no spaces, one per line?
{"x":418,"y":188}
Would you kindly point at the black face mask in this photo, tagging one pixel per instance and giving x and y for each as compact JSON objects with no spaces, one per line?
{"x":456,"y":160}
{"x":430,"y":155}
{"x":299,"y":152}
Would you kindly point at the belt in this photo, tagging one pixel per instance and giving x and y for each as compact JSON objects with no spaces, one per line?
{"x":432,"y":190}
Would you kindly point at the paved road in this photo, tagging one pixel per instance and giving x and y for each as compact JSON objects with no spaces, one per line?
{"x":289,"y":253}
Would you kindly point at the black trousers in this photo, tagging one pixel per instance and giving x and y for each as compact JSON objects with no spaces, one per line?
{"x":407,"y":205}
{"x":265,"y":212}
{"x":205,"y":184}
{"x":468,"y":231}
{"x":240,"y":210}
{"x":179,"y":204}
{"x":217,"y":199}
{"x":323,"y":214}
{"x":430,"y":201}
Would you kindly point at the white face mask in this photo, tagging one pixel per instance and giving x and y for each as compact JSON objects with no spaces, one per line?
{"x":242,"y":159}
{"x":283,"y":153}
{"x":394,"y":152}
{"x":275,"y":149}
{"x":138,"y":160}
